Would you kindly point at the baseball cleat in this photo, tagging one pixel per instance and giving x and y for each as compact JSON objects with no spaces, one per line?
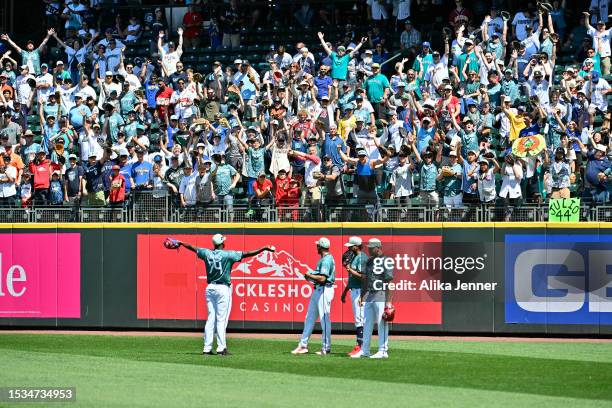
{"x":208,"y":353}
{"x":356,"y":349}
{"x":359,"y":354}
{"x":323,"y":352}
{"x":224,"y":352}
{"x":300,"y":350}
{"x":380,"y":354}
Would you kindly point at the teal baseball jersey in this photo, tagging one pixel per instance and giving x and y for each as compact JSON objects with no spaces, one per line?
{"x":326,"y":267}
{"x":357,"y":264}
{"x":219,"y":264}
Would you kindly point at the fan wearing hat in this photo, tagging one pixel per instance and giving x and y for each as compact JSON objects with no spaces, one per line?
{"x":41,"y":169}
{"x":30,"y":56}
{"x":219,"y":263}
{"x":8,"y":178}
{"x":171,"y":57}
{"x":366,"y":175}
{"x":323,"y":278}
{"x":601,"y":41}
{"x":73,"y":183}
{"x":451,"y":177}
{"x":485,"y":179}
{"x":377,"y":89}
{"x":306,"y":96}
{"x":340,"y":59}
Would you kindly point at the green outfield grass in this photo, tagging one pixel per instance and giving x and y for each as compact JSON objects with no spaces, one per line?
{"x":118,"y":371}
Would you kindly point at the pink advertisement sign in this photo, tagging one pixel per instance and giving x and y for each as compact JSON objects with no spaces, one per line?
{"x":40,"y":275}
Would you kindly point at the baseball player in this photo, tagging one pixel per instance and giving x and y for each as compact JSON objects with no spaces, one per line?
{"x":354,"y":263}
{"x":219,"y":264}
{"x":374,"y":299}
{"x":320,"y":302}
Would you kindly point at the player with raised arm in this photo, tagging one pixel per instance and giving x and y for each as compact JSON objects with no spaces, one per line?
{"x":219,"y":264}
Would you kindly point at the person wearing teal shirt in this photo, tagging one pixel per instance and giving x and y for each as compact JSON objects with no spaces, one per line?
{"x":323,"y":278}
{"x":78,"y":112}
{"x":376,"y":86}
{"x":340,"y":59}
{"x":218,"y":263}
{"x":127,"y":99}
{"x":355,"y":268}
{"x":509,"y":86}
{"x":130,"y":127}
{"x":30,"y":56}
{"x":423,"y":61}
{"x":468,"y":57}
{"x":225,"y":178}
{"x":428,"y":171}
{"x":113,"y":120}
{"x":452,"y":183}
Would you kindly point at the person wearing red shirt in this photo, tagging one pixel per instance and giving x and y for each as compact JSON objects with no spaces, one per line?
{"x":192,"y":21}
{"x":41,"y":169}
{"x":262,"y":197}
{"x":162,"y":99}
{"x":448,"y":102}
{"x":460,"y":15}
{"x":116,"y":196}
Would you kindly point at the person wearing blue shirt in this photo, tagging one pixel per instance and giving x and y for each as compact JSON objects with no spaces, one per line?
{"x":330,"y":146}
{"x":78,"y":112}
{"x":424,"y":133}
{"x":151,"y":89}
{"x":323,"y":82}
{"x":142,"y":171}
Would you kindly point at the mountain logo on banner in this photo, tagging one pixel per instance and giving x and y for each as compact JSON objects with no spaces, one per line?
{"x":273,"y":264}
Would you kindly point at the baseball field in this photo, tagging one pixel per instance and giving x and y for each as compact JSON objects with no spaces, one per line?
{"x":170,"y":371}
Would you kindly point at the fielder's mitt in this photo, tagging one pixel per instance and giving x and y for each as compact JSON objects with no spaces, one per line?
{"x":389,"y":313}
{"x":347,"y":257}
{"x":170,"y":243}
{"x":447,"y":171}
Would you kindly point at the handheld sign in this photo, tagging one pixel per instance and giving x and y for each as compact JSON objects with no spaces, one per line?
{"x":564,"y":210}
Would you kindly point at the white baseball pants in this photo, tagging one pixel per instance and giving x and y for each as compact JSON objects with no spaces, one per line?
{"x":219,"y":305}
{"x":319,"y":307}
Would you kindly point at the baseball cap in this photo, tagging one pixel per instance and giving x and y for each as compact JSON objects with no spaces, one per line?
{"x":123,"y":152}
{"x":353,"y":241}
{"x":506,"y":99}
{"x":508,"y":71}
{"x":426,"y":119}
{"x":595,"y":76}
{"x":601,"y":148}
{"x":426,"y":44}
{"x":374,"y":243}
{"x":376,"y":65}
{"x":468,"y":41}
{"x":72,"y":156}
{"x":467,"y":120}
{"x":323,"y":242}
{"x":537,"y":73}
{"x":325,"y":97}
{"x":483,"y":159}
{"x":401,"y":84}
{"x":44,"y":65}
{"x":200,"y":145}
{"x":452,"y":154}
{"x":361,"y":152}
{"x":448,"y":87}
{"x":157,"y":159}
{"x":367,"y":52}
{"x":173,"y":117}
{"x":218,"y":239}
{"x":342,"y":48}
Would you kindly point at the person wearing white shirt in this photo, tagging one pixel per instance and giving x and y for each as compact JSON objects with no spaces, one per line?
{"x":485,"y":179}
{"x":88,"y":143}
{"x":510,"y":191}
{"x":401,"y":179}
{"x":539,"y":87}
{"x":378,"y":10}
{"x":8,"y":175}
{"x":133,"y":30}
{"x":113,"y":56}
{"x":187,"y":189}
{"x":601,"y":42}
{"x":171,"y":57}
{"x":596,"y":89}
{"x":22,"y":87}
{"x":44,"y":84}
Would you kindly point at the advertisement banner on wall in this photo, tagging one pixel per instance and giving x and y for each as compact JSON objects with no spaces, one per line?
{"x":558,"y":279}
{"x":40,"y":275}
{"x":271,"y":286}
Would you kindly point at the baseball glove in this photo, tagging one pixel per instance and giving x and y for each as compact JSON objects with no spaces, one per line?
{"x":171,"y":243}
{"x":447,"y":171}
{"x":347,"y":257}
{"x":389,"y":313}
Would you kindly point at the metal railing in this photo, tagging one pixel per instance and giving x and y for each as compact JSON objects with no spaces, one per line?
{"x":163,"y":211}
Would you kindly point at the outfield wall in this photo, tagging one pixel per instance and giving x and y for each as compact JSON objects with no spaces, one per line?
{"x":535,"y":278}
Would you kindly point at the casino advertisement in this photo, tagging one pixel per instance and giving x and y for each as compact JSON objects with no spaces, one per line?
{"x":270,"y":287}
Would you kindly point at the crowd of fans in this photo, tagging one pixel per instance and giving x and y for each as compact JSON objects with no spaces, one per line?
{"x":371,"y":117}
